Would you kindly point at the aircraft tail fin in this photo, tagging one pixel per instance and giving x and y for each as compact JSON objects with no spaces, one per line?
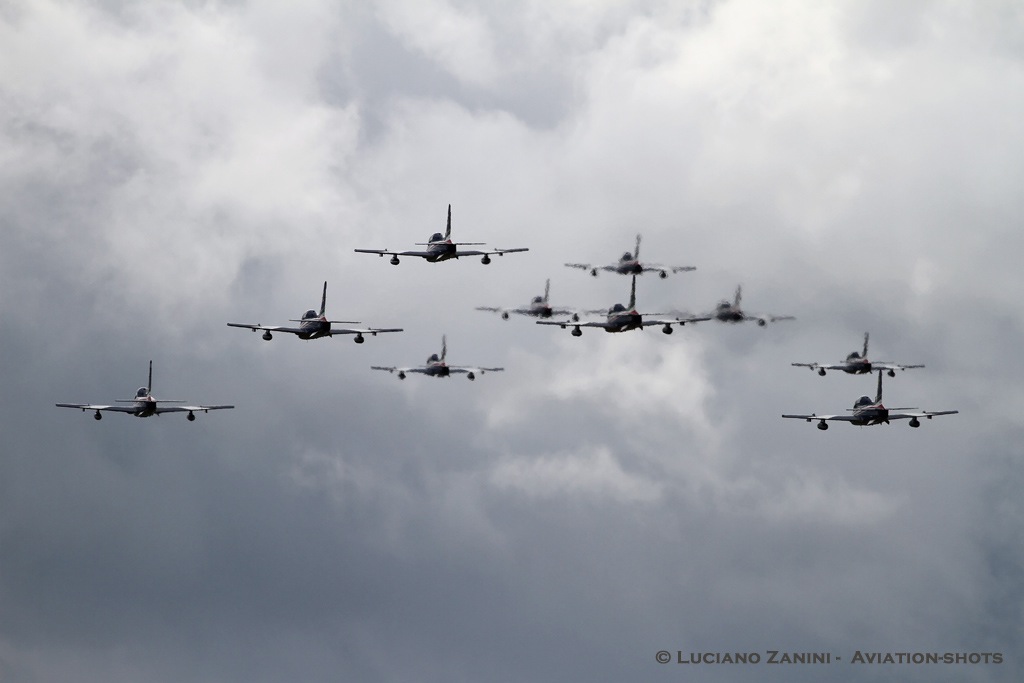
{"x":448,"y":230}
{"x":636,"y":250}
{"x":444,"y":347}
{"x":632,"y":294}
{"x":323,"y":300}
{"x":878,"y":396}
{"x":738,"y":297}
{"x":865,"y":354}
{"x":547,"y":290}
{"x":149,"y":384}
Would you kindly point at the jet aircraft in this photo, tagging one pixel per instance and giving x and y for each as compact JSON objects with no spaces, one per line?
{"x":314,"y":326}
{"x":539,"y":307}
{"x":868,"y":412}
{"x":629,"y":264}
{"x":144,"y":404}
{"x":437,"y":367}
{"x":858,"y":364}
{"x":730,"y":312}
{"x":621,"y":318}
{"x":441,"y":248}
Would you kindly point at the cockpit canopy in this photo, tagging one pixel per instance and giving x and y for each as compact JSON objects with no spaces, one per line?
{"x":143,"y":392}
{"x":434,"y":358}
{"x":538,"y":299}
{"x":437,"y":237}
{"x":854,"y":356}
{"x":617,"y":308}
{"x":863,"y":401}
{"x":722,"y":305}
{"x":628,"y":256}
{"x":309,"y":314}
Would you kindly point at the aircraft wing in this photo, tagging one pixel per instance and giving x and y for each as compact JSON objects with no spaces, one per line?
{"x":397,"y":369}
{"x":766,"y":317}
{"x":572,"y":313}
{"x":677,"y":320}
{"x":826,"y":366}
{"x":188,"y":409}
{"x":385,"y":252}
{"x":812,"y":416}
{"x":658,"y":268}
{"x":481,"y":252}
{"x":892,"y":366}
{"x":924,"y":413}
{"x":571,"y":323}
{"x":583,"y":266}
{"x":87,"y":406}
{"x":269,"y":328}
{"x":462,"y":369}
{"x":373,"y":331}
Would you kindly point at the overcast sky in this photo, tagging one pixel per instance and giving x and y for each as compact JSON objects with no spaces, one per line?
{"x":167,"y":167}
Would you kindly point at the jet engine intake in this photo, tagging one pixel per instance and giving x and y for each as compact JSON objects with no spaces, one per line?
{"x":821,"y":371}
{"x":98,"y":416}
{"x":359,"y":339}
{"x":822,"y":425}
{"x":485,"y":260}
{"x":667,"y":329}
{"x":267,"y":336}
{"x":394,"y":260}
{"x":577,"y":332}
{"x":471,"y":376}
{"x":191,"y":416}
{"x":914,"y":422}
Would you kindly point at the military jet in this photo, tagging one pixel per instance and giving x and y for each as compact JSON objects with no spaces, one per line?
{"x":437,"y":367}
{"x":868,"y":412}
{"x":621,"y":318}
{"x":539,"y":307}
{"x":144,"y":404}
{"x":314,"y":326}
{"x":441,"y":248}
{"x":629,"y":264}
{"x":858,"y":364}
{"x":730,"y":312}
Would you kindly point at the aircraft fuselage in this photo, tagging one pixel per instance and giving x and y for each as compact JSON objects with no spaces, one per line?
{"x":629,"y":267}
{"x":437,"y":370}
{"x":440,"y":249}
{"x":314,"y":326}
{"x":729,"y":314}
{"x":857,"y":367}
{"x":623,"y":322}
{"x":870,"y":415}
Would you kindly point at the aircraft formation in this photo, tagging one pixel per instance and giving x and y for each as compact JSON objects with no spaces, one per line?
{"x":617,"y":318}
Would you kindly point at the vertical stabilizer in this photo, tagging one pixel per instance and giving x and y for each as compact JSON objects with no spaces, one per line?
{"x":448,"y":230}
{"x":739,"y":296}
{"x":323,"y":300}
{"x":149,"y":384}
{"x":444,"y":347}
{"x":547,"y":290}
{"x":636,"y":251}
{"x":865,"y":354}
